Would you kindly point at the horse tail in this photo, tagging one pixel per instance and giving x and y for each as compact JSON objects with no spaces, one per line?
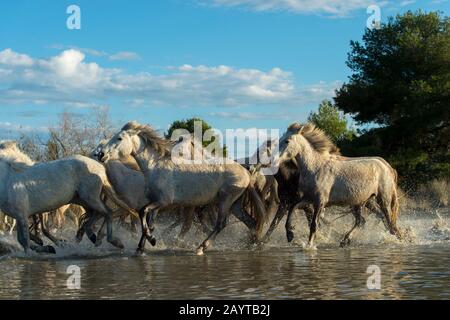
{"x":83,"y":218}
{"x":60,"y":216}
{"x":259,"y":210}
{"x":394,"y":172}
{"x":77,"y":213}
{"x":109,"y":191}
{"x":394,"y":207}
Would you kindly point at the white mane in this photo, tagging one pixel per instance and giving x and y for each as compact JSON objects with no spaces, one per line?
{"x":11,"y":154}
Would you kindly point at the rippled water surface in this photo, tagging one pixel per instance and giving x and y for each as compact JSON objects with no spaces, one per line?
{"x":420,"y":270}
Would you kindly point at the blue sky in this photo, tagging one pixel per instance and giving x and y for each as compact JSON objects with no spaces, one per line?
{"x":235,"y":63}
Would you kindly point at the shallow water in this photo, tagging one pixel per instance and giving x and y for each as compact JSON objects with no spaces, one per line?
{"x":419,"y":270}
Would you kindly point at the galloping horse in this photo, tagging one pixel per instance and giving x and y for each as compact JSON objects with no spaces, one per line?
{"x":27,"y":189}
{"x":175,"y":183}
{"x":129,"y":182}
{"x":326,"y":179}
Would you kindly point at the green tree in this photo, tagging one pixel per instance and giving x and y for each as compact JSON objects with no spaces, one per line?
{"x":189,"y":125}
{"x":400,"y":86}
{"x":332,"y":121}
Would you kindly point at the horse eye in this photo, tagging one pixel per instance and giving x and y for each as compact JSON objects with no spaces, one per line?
{"x":120,"y":139}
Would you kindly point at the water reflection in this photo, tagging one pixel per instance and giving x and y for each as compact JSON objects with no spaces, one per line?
{"x":329,"y":273}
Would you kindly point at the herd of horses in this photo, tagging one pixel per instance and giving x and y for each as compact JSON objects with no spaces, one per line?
{"x":136,"y":176}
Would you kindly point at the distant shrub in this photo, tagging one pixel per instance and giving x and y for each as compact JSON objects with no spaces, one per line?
{"x":439,"y":190}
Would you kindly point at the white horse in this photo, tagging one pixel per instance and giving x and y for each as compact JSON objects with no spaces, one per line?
{"x":326,"y":179}
{"x":170,"y":182}
{"x":288,"y":176}
{"x":129,"y":182}
{"x":27,"y":189}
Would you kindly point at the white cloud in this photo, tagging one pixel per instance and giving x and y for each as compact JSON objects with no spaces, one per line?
{"x":68,"y":79}
{"x":89,"y":51}
{"x":125,"y":55}
{"x":406,"y":3}
{"x":121,"y":55}
{"x":328,"y":7}
{"x":252,"y":116}
{"x":9,"y":57}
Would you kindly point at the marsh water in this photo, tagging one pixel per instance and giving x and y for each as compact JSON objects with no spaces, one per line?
{"x":419,"y":269}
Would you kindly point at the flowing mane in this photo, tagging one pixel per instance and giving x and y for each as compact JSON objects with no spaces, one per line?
{"x":11,"y":154}
{"x":151,"y":137}
{"x":316,"y":137}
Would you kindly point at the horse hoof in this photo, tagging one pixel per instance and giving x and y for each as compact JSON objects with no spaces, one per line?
{"x":79,"y":236}
{"x":290,"y":236}
{"x":345,"y":243}
{"x":93,"y":238}
{"x":151,"y":239}
{"x":140,"y":252}
{"x":199,"y":252}
{"x":98,"y":243}
{"x":50,"y":249}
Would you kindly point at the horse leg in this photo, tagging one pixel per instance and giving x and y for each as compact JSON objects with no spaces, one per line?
{"x":144,"y":226}
{"x":227,"y":198}
{"x":274,"y":200}
{"x":220,"y":224}
{"x":151,"y":226}
{"x":87,"y":225}
{"x":109,"y":231}
{"x":100,"y":234}
{"x":202,"y":217}
{"x":187,"y":223}
{"x":359,"y":221}
{"x":98,"y":208}
{"x":318,"y":208}
{"x":309,"y":213}
{"x":34,"y":231}
{"x":386,"y":207}
{"x":276,"y":220}
{"x":47,"y":233}
{"x":237,"y":211}
{"x":23,"y":235}
{"x":288,"y":226}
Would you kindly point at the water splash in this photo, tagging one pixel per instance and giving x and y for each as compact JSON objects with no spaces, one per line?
{"x":419,"y":228}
